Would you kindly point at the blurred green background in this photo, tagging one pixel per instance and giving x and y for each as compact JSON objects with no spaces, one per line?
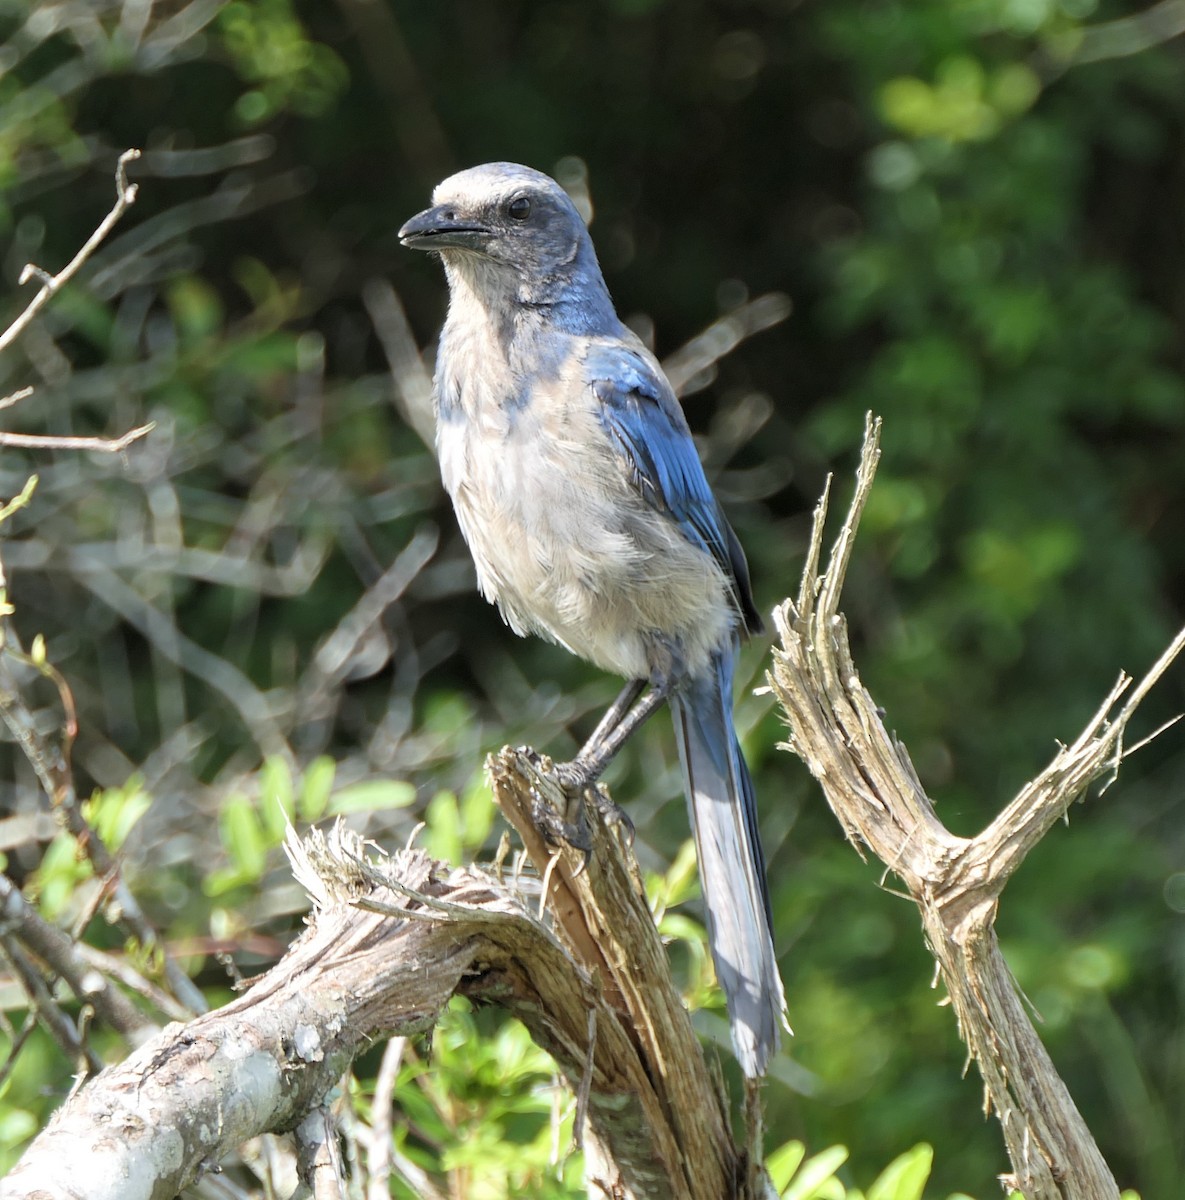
{"x":976,"y":211}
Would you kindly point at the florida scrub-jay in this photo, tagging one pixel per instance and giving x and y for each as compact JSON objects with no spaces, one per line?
{"x":585,"y":506}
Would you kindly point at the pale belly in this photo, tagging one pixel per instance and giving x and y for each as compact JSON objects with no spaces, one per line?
{"x":568,"y":549}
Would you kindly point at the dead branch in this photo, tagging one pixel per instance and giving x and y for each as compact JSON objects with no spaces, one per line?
{"x":677,"y":1137}
{"x":871,"y":785}
{"x":573,"y":952}
{"x":51,"y":764}
{"x":389,"y":941}
{"x":411,"y":378}
{"x":1126,"y":36}
{"x":69,"y":1035}
{"x":125,"y":197}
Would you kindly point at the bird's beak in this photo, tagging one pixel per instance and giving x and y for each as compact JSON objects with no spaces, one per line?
{"x":441,"y":228}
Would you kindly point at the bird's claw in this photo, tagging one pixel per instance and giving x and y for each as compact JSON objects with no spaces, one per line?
{"x":578,"y":782}
{"x":558,"y":832}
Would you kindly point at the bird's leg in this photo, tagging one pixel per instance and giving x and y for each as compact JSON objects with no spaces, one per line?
{"x":579,"y":777}
{"x":586,"y":768}
{"x":613,"y":715}
{"x":627,"y":713}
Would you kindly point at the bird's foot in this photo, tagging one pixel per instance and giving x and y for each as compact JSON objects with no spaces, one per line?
{"x":578,"y":778}
{"x":575,"y":777}
{"x":558,"y":832}
{"x":566,"y":826}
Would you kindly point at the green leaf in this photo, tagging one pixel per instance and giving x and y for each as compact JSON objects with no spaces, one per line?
{"x":196,"y":308}
{"x":17,"y":1125}
{"x":372,"y":796}
{"x":680,"y":881}
{"x":783,"y":1162}
{"x":905,"y":1177}
{"x":114,"y":812}
{"x":60,"y":872}
{"x":277,"y":804}
{"x":683,"y":928}
{"x":443,"y":818}
{"x":477,"y":813}
{"x":315,"y":789}
{"x":816,"y":1175}
{"x":225,"y":879}
{"x":243,"y":836}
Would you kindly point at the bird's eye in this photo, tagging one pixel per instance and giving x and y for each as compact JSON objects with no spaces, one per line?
{"x":519,"y":209}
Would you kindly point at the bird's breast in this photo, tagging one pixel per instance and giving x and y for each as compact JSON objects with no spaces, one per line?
{"x":561,"y":538}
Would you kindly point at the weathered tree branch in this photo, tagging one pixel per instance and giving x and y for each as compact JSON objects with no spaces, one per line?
{"x":871,"y":786}
{"x":390,"y":940}
{"x":647,"y":1059}
{"x":21,"y":922}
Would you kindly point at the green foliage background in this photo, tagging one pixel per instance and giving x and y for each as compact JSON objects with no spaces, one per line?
{"x":977,"y":212}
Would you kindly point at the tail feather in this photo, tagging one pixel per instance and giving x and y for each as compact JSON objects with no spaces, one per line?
{"x":731,"y":864}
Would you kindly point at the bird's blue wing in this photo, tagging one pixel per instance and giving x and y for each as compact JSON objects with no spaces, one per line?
{"x":644,"y":422}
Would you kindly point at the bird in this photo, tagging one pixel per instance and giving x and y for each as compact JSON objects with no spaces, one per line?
{"x":591,"y":523}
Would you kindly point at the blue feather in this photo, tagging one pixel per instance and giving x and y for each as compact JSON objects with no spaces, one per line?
{"x":645,"y":423}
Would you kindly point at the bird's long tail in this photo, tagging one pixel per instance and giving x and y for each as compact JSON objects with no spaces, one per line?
{"x":731,"y":864}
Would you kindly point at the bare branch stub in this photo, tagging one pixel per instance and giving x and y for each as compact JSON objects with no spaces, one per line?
{"x":646,"y":1056}
{"x":873,"y":789}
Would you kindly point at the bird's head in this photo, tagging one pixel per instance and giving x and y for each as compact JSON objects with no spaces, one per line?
{"x":506,"y":220}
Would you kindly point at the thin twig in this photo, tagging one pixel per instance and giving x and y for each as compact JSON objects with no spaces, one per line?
{"x":125,"y":197}
{"x":1099,"y":749}
{"x":16,"y":397}
{"x":60,"y":953}
{"x":412,"y":379}
{"x":339,"y":651}
{"x":586,"y":1078}
{"x":692,"y":365}
{"x":59,"y":1026}
{"x":51,"y":765}
{"x":19,"y":501}
{"x":378,"y":1157}
{"x":841,"y":552}
{"x":1126,"y":36}
{"x":49,"y":441}
{"x":122,"y":970}
{"x":17,"y":1044}
{"x":217,"y":673}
